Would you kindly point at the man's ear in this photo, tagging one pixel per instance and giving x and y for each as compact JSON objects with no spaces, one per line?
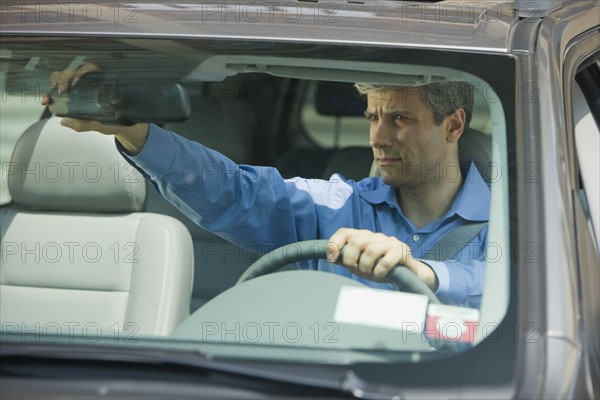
{"x":455,"y":125}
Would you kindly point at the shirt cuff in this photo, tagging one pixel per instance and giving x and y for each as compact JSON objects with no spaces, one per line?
{"x":441,"y":271}
{"x":158,"y":152}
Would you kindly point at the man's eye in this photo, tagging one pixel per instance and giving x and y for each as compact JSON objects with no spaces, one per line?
{"x":371,"y":117}
{"x":401,"y":118}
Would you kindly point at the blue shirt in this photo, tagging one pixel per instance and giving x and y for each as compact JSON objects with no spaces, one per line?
{"x":256,"y":208}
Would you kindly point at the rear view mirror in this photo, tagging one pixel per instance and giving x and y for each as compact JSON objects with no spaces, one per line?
{"x":105,"y":97}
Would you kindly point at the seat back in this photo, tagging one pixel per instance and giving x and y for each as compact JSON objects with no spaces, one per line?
{"x":350,"y":162}
{"x":339,"y":101}
{"x":76,"y":253}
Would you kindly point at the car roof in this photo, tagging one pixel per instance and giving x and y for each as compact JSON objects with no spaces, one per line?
{"x":482,"y":26}
{"x":445,"y":24}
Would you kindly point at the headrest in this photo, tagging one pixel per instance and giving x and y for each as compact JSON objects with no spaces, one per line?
{"x":339,"y":99}
{"x":476,"y":146}
{"x":55,"y":168}
{"x":473,"y":146}
{"x":351,"y":162}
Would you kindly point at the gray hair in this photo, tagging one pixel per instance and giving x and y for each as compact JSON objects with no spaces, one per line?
{"x":442,"y":98}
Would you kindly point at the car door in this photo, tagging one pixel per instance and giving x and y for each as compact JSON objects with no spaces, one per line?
{"x":558,"y":296}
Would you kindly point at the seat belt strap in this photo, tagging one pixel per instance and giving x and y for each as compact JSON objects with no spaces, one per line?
{"x":453,"y":242}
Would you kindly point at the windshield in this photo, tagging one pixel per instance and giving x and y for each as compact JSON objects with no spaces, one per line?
{"x":265,"y":144}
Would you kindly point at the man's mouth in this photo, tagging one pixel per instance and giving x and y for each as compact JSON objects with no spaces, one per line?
{"x":388,"y":160}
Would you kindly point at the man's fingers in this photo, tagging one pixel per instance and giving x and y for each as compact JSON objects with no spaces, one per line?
{"x":62,"y":79}
{"x":386,"y":263}
{"x":84,"y":69}
{"x":55,"y":76}
{"x":351,"y":257}
{"x":369,"y":256}
{"x":336,"y":242}
{"x":340,"y":239}
{"x":354,"y":242}
{"x":66,"y":78}
{"x":332,"y":251}
{"x":396,"y":255}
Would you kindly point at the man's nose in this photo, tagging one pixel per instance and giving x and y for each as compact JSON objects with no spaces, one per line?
{"x":381,"y":134}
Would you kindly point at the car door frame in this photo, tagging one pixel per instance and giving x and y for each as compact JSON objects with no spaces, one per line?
{"x":582,"y":52}
{"x":548,"y":330}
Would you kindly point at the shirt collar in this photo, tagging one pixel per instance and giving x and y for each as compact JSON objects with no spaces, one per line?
{"x":472,"y":202}
{"x":377,"y":192}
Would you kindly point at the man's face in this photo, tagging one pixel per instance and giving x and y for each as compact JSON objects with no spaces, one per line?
{"x":409,"y":148}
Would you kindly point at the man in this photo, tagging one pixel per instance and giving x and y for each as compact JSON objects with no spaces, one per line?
{"x":380,"y":222}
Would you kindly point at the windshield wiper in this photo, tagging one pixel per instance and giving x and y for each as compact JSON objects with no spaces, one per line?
{"x":85,"y":362}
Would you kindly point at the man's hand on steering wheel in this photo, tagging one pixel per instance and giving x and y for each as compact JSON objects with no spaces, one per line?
{"x":372,"y":255}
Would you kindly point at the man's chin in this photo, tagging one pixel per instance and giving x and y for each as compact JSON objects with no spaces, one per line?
{"x":396,"y":181}
{"x":390,"y":179}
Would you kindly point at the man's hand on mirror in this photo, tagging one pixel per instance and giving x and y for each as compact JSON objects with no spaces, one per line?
{"x":132,"y":138}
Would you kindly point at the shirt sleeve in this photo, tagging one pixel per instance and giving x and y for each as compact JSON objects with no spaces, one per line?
{"x":251,"y":206}
{"x":461,"y":280}
{"x":459,"y":284}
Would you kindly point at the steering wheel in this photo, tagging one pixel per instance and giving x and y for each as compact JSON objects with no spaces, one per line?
{"x":406,"y":280}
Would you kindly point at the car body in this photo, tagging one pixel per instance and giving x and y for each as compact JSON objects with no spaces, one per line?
{"x":255,"y":73}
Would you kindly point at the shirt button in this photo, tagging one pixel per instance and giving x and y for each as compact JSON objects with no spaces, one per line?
{"x":416,"y":238}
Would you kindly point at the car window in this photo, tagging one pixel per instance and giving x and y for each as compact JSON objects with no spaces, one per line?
{"x":253,"y":118}
{"x":331,"y":130}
